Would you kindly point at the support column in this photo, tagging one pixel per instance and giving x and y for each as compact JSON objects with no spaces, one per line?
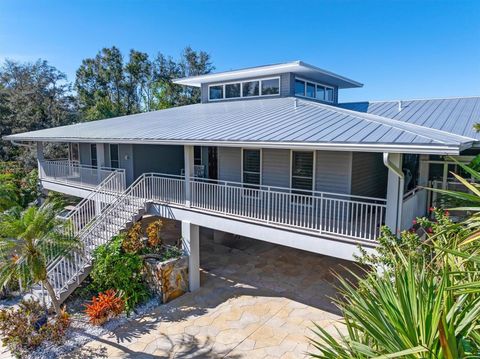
{"x":191,"y":245}
{"x":423,"y":167}
{"x":40,"y":159}
{"x":100,"y":159}
{"x":393,"y":161}
{"x":189,"y":172}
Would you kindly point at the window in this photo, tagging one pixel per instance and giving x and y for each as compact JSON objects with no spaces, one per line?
{"x":313,"y":90}
{"x":262,"y":87}
{"x":310,"y":90}
{"x":114,"y":157}
{"x":74,"y":152}
{"x":197,"y":155}
{"x":232,"y":90}
{"x":251,"y":88}
{"x":93,"y":154}
{"x":251,"y":166}
{"x":215,"y":92}
{"x":270,"y":87}
{"x":302,"y":171}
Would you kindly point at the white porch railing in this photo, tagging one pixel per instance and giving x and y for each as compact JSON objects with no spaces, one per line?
{"x":326,"y":213}
{"x":74,"y":173}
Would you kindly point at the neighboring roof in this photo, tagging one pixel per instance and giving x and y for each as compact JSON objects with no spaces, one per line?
{"x":455,"y":115}
{"x":298,"y":67}
{"x":282,"y":123}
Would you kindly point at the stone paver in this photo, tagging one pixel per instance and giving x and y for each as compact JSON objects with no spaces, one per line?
{"x":257,"y":300}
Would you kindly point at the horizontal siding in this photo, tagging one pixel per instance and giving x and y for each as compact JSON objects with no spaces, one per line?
{"x":333,"y":171}
{"x":276,"y":167}
{"x":229,"y":164}
{"x":158,"y":158}
{"x":369,"y":175}
{"x":85,"y":155}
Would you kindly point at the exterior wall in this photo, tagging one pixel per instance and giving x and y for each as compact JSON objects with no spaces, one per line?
{"x":333,"y":171}
{"x":125,"y":154}
{"x":276,"y":167}
{"x":157,"y":158}
{"x":369,"y":175}
{"x":229,"y":164}
{"x":85,"y":155}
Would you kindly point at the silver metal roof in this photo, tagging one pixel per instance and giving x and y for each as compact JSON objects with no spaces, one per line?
{"x":281,"y":123}
{"x":297,"y":67}
{"x":454,"y":115}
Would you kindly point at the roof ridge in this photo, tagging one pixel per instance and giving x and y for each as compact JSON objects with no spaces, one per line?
{"x":404,"y":126}
{"x":413,"y":99}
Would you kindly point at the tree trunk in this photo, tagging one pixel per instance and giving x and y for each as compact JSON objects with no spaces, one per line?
{"x":51,"y":294}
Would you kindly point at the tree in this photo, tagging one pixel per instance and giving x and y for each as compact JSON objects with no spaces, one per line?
{"x":27,"y":239}
{"x":107,"y":86}
{"x":33,"y":96}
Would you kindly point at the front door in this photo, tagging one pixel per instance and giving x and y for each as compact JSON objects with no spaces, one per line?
{"x":213,"y":162}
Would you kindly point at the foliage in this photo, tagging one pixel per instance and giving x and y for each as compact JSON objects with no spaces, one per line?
{"x":105,"y":306}
{"x":27,"y":239}
{"x":132,"y":243}
{"x":171,"y":252}
{"x":114,"y":268}
{"x":33,"y":96}
{"x":26,"y":327}
{"x":424,"y":301}
{"x":107,"y":86}
{"x":153,"y":233}
{"x":18,"y":187}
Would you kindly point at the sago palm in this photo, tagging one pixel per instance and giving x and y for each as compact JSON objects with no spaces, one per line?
{"x":27,"y":239}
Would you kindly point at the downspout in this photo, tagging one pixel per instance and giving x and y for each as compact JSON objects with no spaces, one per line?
{"x":401,"y":176}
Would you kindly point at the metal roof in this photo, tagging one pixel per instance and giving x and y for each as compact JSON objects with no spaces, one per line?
{"x":297,"y":67}
{"x":281,"y":123}
{"x":454,"y":115}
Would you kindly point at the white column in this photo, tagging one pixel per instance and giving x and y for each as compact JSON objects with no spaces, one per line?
{"x":100,"y":159}
{"x":40,"y":159}
{"x":189,"y":172}
{"x":394,"y":193}
{"x":423,"y":171}
{"x":191,"y":245}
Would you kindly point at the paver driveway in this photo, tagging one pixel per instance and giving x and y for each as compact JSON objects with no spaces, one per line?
{"x":256,"y":301}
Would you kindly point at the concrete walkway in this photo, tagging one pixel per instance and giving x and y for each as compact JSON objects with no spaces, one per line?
{"x":257,"y":301}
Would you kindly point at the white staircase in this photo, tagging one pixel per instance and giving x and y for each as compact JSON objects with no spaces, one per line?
{"x":98,"y":218}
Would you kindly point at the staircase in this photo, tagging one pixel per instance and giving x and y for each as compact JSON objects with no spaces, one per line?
{"x":94,"y":225}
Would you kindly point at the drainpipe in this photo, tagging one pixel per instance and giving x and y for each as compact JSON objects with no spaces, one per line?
{"x":399,"y":173}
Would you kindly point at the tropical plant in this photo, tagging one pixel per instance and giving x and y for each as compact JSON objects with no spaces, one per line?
{"x":423,"y":303}
{"x":115,"y":268}
{"x":153,"y":234}
{"x":132,"y":241}
{"x":105,"y":306}
{"x":25,"y":327}
{"x":27,"y":239}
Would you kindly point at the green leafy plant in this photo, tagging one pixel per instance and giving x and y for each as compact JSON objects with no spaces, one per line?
{"x":27,"y":239}
{"x":423,"y":303}
{"x":115,"y":268}
{"x":105,"y":306}
{"x":26,"y":327}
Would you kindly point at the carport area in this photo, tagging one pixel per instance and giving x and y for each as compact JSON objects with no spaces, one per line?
{"x":257,"y":300}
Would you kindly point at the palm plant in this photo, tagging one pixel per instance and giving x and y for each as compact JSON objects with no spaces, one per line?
{"x":27,"y":240}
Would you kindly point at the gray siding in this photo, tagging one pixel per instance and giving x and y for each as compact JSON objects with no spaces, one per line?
{"x":276,"y":167}
{"x":125,"y":154}
{"x":333,"y":171}
{"x":85,"y":156}
{"x":157,"y":158}
{"x":369,"y":175}
{"x":229,"y":164}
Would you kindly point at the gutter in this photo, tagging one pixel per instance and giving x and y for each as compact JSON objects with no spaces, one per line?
{"x":388,"y":163}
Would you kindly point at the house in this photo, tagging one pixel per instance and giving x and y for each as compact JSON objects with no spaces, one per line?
{"x":269,"y":153}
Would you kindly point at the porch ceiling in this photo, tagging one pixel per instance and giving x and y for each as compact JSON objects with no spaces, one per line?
{"x":280,"y":122}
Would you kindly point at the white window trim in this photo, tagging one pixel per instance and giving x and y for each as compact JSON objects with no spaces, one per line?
{"x":314,"y":170}
{"x":316,"y":84}
{"x":91,"y":154}
{"x":241,"y":88}
{"x":261,"y":165}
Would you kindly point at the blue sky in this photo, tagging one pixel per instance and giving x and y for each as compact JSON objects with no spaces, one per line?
{"x":398,"y":49}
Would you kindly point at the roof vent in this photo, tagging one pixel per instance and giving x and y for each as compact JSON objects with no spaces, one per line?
{"x":399,"y":106}
{"x":295,"y":103}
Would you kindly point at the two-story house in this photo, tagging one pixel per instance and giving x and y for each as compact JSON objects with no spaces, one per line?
{"x":269,"y":154}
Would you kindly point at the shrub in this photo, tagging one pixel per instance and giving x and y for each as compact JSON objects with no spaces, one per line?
{"x":153,"y":234}
{"x":26,"y":327}
{"x":104,"y":307}
{"x":115,"y":268}
{"x":132,"y":242}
